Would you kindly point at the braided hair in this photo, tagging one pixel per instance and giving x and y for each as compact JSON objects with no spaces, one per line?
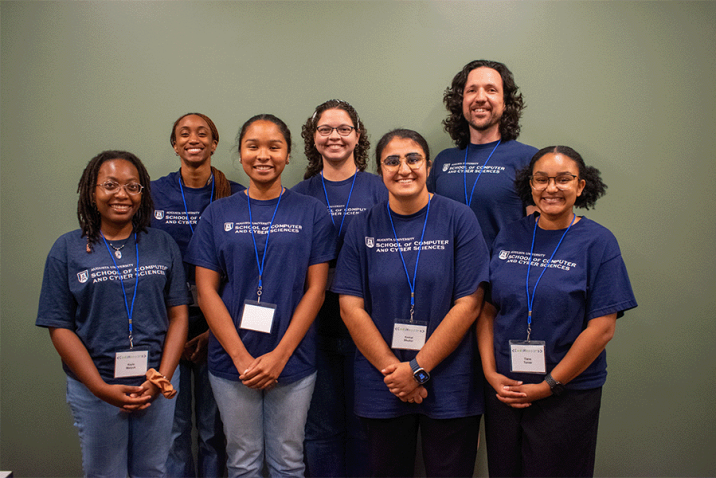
{"x":87,"y":213}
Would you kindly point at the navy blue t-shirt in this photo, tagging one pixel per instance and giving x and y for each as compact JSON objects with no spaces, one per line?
{"x":172,"y":216}
{"x":453,"y":262}
{"x":82,"y":292}
{"x":301,"y":235}
{"x":494,"y":201}
{"x":586,"y":279}
{"x":367,"y":191}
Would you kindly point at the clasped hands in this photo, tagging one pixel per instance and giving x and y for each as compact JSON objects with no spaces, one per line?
{"x":399,"y":379}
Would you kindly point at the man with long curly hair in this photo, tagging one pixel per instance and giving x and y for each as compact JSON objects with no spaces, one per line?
{"x":485,"y":106}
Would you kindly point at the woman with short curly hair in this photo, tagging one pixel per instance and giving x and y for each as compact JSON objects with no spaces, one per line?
{"x":558,"y":285}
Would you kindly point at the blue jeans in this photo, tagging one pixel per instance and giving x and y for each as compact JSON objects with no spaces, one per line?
{"x":115,"y":443}
{"x":211,"y":459}
{"x":336,"y":444}
{"x":264,"y":422}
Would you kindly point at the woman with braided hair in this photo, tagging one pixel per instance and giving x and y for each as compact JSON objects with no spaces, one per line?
{"x":114,"y":300}
{"x":179,"y":200}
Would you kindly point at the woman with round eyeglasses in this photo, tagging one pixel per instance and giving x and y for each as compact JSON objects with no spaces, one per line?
{"x":114,"y":300}
{"x":410,"y":277}
{"x":336,"y":146}
{"x":558,"y":284}
{"x":261,"y":260}
{"x":179,"y":199}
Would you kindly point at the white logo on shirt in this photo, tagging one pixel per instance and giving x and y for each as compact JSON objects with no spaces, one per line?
{"x":446,"y":166}
{"x":504,"y":255}
{"x":228,"y":226}
{"x":83,"y":276}
{"x":159,"y":215}
{"x":370,"y":241}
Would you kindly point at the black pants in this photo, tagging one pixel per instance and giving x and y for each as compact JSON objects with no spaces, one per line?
{"x":555,"y":436}
{"x":449,"y":445}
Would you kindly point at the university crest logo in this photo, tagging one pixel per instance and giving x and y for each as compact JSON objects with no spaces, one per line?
{"x":370,"y":241}
{"x":83,"y":276}
{"x":504,"y":254}
{"x":446,"y":166}
{"x":159,"y":215}
{"x":228,"y":226}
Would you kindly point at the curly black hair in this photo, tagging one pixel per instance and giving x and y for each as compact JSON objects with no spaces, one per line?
{"x":403,"y":134}
{"x":87,"y":213}
{"x":456,"y":125}
{"x":594,"y":187}
{"x":315,"y":161}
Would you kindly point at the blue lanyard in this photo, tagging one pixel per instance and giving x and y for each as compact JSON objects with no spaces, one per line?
{"x":468,"y":199}
{"x":136,"y":281}
{"x":186,"y":210}
{"x":260,"y":264}
{"x":529,"y":265}
{"x":400,"y":251}
{"x":345,"y":209}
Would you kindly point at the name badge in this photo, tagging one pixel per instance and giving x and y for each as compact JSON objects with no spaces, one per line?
{"x":257,"y":316}
{"x":130,"y":363}
{"x":409,"y":336}
{"x":527,"y":356}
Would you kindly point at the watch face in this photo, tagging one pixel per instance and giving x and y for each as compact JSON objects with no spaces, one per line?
{"x":422,"y":376}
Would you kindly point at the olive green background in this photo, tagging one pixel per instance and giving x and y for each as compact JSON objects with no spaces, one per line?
{"x":630,"y":85}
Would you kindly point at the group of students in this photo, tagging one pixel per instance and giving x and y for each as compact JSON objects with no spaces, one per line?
{"x":438,"y":328}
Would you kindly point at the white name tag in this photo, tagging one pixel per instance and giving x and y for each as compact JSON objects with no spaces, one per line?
{"x":130,"y":363}
{"x":257,"y":316}
{"x":527,"y":356}
{"x":407,"y":336}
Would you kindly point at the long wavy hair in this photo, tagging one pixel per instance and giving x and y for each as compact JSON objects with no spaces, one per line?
{"x":456,"y":125}
{"x":87,"y":213}
{"x":222,"y":187}
{"x":315,"y":161}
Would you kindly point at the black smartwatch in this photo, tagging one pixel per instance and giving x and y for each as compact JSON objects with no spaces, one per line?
{"x":556,"y":387}
{"x":420,"y":375}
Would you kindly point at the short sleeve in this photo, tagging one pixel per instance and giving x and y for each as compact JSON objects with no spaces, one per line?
{"x":349,"y":276}
{"x":610,"y":289}
{"x":472,"y":258}
{"x":202,"y":250}
{"x":57,"y":304}
{"x":323,"y":243}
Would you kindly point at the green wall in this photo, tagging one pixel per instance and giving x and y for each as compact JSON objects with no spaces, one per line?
{"x":628,"y":84}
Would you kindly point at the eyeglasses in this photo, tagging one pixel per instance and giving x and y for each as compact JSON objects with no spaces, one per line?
{"x":343,"y":130}
{"x":413,"y":160}
{"x":562,"y":182}
{"x":112,"y":187}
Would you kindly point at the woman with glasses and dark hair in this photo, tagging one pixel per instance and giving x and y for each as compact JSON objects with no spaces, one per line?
{"x":114,"y":300}
{"x":179,"y":199}
{"x":557,"y":286}
{"x":410,"y":277}
{"x":261,"y":260}
{"x":336,"y":145}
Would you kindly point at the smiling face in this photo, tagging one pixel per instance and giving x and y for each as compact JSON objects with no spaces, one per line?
{"x":334,"y":147}
{"x":194,"y":142}
{"x":264,"y":153}
{"x":555,"y":203}
{"x":483,"y":100}
{"x":117,"y":208}
{"x":404,"y":183}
